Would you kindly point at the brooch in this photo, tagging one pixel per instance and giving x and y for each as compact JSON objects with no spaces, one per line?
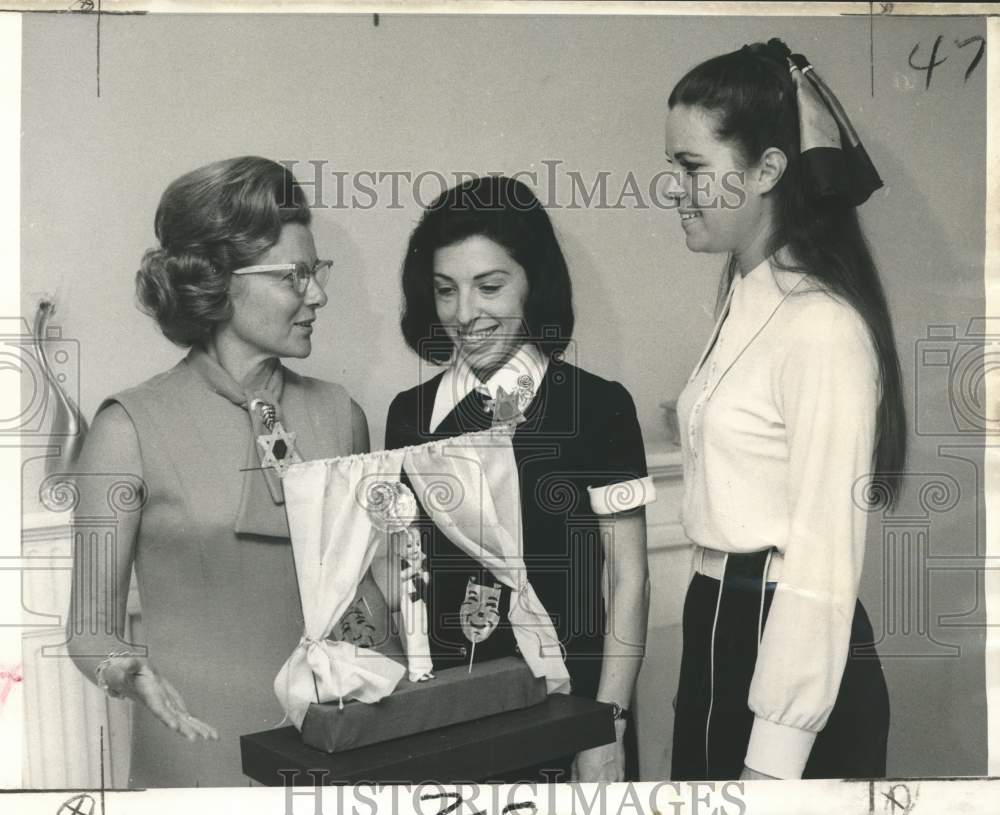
{"x":277,"y":446}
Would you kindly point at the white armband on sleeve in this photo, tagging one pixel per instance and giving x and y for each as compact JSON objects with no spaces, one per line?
{"x":622,"y":496}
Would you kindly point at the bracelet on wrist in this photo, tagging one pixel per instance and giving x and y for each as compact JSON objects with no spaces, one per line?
{"x":102,"y":683}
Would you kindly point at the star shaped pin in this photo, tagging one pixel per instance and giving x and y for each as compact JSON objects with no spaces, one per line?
{"x":278,"y":449}
{"x":505,"y":408}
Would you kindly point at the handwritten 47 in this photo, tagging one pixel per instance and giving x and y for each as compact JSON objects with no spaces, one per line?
{"x":934,"y":61}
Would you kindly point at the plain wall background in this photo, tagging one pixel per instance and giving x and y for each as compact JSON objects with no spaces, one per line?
{"x":480,"y":94}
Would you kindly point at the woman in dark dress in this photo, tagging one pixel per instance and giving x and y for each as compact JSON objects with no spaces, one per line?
{"x":488,"y":294}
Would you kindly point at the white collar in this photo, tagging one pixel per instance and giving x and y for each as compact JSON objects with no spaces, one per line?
{"x":751,"y":302}
{"x":460,"y":380}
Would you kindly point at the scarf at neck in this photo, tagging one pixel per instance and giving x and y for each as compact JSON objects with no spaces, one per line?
{"x":261,"y":510}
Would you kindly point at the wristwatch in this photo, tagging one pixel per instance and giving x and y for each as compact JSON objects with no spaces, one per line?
{"x":619,"y":713}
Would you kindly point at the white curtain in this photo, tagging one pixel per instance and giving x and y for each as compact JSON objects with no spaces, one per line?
{"x":469,"y":487}
{"x":334,"y":542}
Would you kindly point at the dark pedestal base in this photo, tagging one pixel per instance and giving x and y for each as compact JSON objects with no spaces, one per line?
{"x":475,"y":751}
{"x":452,"y":697}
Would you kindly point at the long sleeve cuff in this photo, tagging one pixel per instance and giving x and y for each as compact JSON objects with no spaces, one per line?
{"x":779,"y":750}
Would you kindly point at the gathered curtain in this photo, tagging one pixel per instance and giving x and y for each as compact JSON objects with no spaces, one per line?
{"x":468,"y":486}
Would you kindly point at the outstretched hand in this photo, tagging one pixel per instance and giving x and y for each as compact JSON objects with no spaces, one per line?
{"x":134,"y":677}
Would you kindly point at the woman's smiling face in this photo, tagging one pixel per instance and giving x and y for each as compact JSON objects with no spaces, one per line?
{"x":479,"y":294}
{"x":719,"y":210}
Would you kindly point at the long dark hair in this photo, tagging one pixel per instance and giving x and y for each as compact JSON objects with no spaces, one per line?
{"x":507,"y":212}
{"x":752,"y":97}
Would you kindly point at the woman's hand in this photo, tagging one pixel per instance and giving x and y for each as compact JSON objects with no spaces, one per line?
{"x":134,"y":677}
{"x":753,"y":775}
{"x":604,"y":763}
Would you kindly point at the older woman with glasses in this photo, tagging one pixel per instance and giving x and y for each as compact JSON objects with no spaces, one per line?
{"x":235,"y":279}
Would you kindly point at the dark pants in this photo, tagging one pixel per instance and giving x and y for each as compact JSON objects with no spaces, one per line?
{"x":853,"y":743}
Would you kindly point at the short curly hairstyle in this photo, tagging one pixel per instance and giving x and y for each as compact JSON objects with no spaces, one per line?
{"x":507,"y":212}
{"x":210,"y":221}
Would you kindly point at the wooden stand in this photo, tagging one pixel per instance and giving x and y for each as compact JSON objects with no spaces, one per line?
{"x":481,"y":750}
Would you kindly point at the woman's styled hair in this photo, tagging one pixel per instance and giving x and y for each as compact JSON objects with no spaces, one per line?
{"x":210,"y":221}
{"x":508,"y":213}
{"x":752,"y":98}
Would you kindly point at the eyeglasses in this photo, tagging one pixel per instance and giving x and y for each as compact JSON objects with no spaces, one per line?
{"x":299,"y":273}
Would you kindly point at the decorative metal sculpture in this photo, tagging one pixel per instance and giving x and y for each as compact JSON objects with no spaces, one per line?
{"x":68,"y":425}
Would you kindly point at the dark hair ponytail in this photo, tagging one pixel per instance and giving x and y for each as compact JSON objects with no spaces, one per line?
{"x":752,"y":96}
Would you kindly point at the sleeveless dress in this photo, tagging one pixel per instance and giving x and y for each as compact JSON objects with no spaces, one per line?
{"x":220,"y":609}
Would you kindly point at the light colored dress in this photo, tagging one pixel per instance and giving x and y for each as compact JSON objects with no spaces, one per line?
{"x":220,"y":610}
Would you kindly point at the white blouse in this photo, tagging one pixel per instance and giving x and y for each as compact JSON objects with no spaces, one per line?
{"x":777,"y":429}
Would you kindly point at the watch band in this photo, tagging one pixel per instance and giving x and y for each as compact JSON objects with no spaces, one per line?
{"x":619,"y":713}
